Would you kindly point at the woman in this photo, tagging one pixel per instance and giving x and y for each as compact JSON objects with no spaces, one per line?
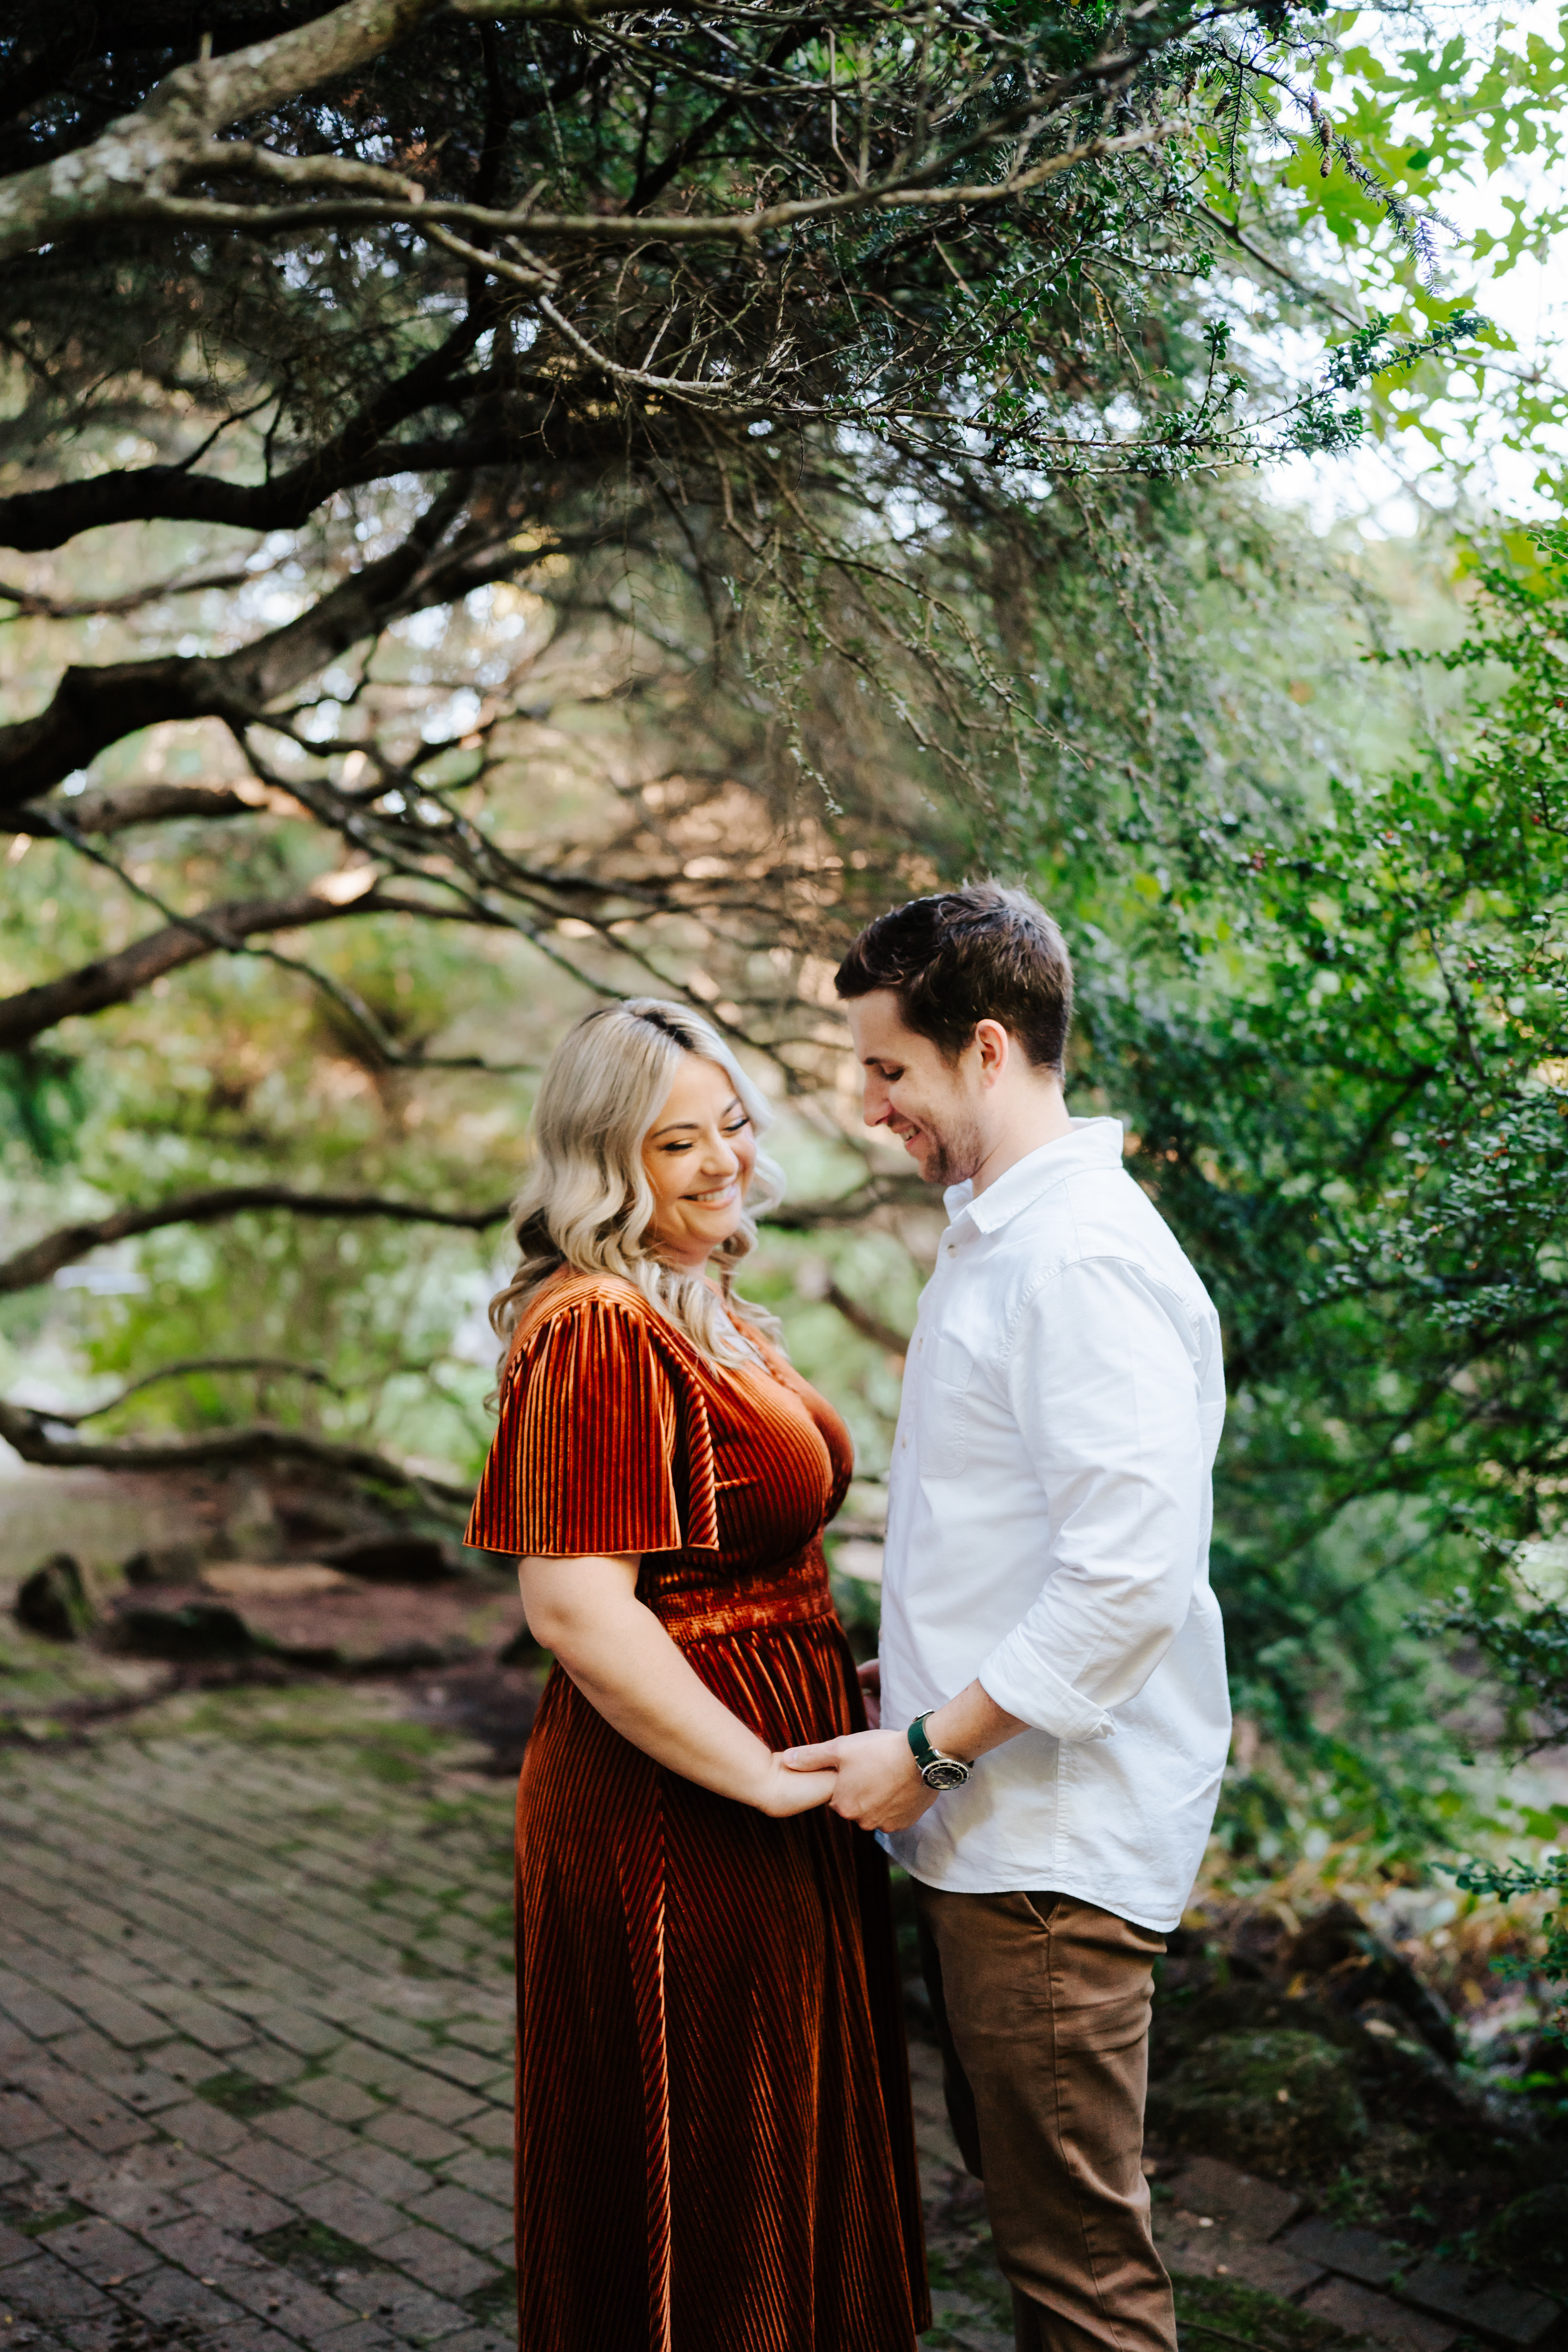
{"x":715,"y":2152}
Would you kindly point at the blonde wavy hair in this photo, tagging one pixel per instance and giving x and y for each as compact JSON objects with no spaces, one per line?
{"x":587,"y":1203}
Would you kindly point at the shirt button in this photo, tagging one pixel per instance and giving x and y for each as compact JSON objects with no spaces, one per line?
{"x":904,"y":1441}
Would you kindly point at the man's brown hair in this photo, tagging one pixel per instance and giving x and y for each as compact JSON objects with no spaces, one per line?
{"x":978,"y":953}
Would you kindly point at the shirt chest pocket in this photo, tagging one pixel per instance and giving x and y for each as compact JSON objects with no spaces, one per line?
{"x":942,"y":1412}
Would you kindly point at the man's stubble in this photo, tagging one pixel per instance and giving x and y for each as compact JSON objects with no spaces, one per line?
{"x":956,"y":1156}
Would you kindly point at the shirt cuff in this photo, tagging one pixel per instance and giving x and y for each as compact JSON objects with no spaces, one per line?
{"x":1026,"y":1687}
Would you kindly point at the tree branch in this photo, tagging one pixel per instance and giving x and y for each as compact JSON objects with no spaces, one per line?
{"x":919,"y":190}
{"x":91,"y":812}
{"x":28,"y":1432}
{"x":180,"y":117}
{"x":113,"y":979}
{"x":359,"y":452}
{"x":31,"y":605}
{"x":92,"y":708}
{"x":869,"y":1326}
{"x":186,"y":1365}
{"x":851,"y":1208}
{"x":42,"y":1259}
{"x":123,"y":175}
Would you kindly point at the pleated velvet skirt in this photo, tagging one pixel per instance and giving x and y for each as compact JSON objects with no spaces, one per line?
{"x":715,"y":2147}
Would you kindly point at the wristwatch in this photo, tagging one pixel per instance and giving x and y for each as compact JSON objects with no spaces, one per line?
{"x":937,"y":1770}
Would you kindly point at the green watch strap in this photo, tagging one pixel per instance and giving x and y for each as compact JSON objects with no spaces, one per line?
{"x":924,"y":1753}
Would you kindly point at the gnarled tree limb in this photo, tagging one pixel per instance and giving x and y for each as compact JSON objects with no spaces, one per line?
{"x":115,"y":979}
{"x":851,"y":1208}
{"x":143,"y":151}
{"x":28,"y":1432}
{"x":42,"y":1259}
{"x":91,"y":812}
{"x":185,"y":1365}
{"x":128,"y":174}
{"x":869,"y":1325}
{"x":360,"y":451}
{"x":32,"y":605}
{"x":92,"y":708}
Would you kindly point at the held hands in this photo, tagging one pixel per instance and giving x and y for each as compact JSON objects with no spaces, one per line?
{"x":876,"y":1783}
{"x":784,"y":1793}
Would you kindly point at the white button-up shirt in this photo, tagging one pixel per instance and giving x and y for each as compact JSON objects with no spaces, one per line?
{"x":1047,"y":1531}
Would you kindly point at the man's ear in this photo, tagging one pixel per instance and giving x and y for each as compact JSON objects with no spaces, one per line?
{"x":995,"y":1046}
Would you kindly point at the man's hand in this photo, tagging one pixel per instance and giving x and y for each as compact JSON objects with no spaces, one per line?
{"x":879,"y":1786}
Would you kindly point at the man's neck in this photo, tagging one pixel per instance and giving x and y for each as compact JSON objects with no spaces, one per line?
{"x":1039,"y":1116}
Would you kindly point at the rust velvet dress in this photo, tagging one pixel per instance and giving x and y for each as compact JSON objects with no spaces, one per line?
{"x":715,"y":2152}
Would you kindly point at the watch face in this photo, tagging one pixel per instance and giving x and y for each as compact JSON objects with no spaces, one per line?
{"x":946,"y":1772}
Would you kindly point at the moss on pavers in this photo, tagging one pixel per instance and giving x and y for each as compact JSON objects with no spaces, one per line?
{"x":35,"y":2221}
{"x":306,"y":1715}
{"x":496,"y":2300}
{"x":241,"y":2095}
{"x":1212,"y":2314}
{"x":51,"y":1687}
{"x":966,"y":2287}
{"x":312,"y":2250}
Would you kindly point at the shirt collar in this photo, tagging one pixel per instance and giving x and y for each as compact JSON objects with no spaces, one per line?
{"x":1092,"y":1143}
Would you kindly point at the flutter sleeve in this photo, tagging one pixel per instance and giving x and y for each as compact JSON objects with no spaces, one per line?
{"x":603,"y":1444}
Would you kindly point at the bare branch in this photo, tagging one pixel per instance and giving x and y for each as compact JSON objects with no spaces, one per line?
{"x":113,"y":979}
{"x":32,"y":605}
{"x":360,"y":450}
{"x":95,"y":812}
{"x":28,"y":1432}
{"x":125,"y":175}
{"x":188,"y":1365}
{"x":94,"y":707}
{"x":915,"y":191}
{"x":42,"y":1259}
{"x":145,"y":150}
{"x":851,"y":1208}
{"x":869,"y":1325}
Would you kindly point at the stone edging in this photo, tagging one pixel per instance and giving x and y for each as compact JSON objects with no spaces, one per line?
{"x":1226,"y":2223}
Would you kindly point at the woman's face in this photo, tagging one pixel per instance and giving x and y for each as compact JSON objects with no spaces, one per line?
{"x":699,"y":1155}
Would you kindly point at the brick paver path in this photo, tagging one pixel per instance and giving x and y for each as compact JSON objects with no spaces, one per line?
{"x":255,"y":2046}
{"x":256,"y":2080}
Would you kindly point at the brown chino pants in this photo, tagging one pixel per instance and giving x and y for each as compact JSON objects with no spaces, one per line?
{"x":1042,"y":2010}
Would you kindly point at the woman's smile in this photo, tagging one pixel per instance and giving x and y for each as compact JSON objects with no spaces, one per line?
{"x":698,"y":1156}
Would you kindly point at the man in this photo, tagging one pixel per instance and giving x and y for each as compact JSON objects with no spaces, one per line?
{"x":1052,"y":1668}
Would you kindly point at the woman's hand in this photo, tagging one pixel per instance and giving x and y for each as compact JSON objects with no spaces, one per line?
{"x":785,"y":1793}
{"x":869,"y":1677}
{"x":586,"y":1610}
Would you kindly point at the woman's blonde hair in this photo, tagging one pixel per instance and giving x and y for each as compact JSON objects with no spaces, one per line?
{"x":587,"y":1203}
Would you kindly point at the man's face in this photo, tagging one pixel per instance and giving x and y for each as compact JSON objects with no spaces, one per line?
{"x":931,"y":1105}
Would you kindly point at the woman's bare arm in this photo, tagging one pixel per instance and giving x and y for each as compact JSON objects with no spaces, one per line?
{"x":585,"y":1611}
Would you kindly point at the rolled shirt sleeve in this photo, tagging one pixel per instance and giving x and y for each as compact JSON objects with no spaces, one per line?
{"x":1104,"y":1386}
